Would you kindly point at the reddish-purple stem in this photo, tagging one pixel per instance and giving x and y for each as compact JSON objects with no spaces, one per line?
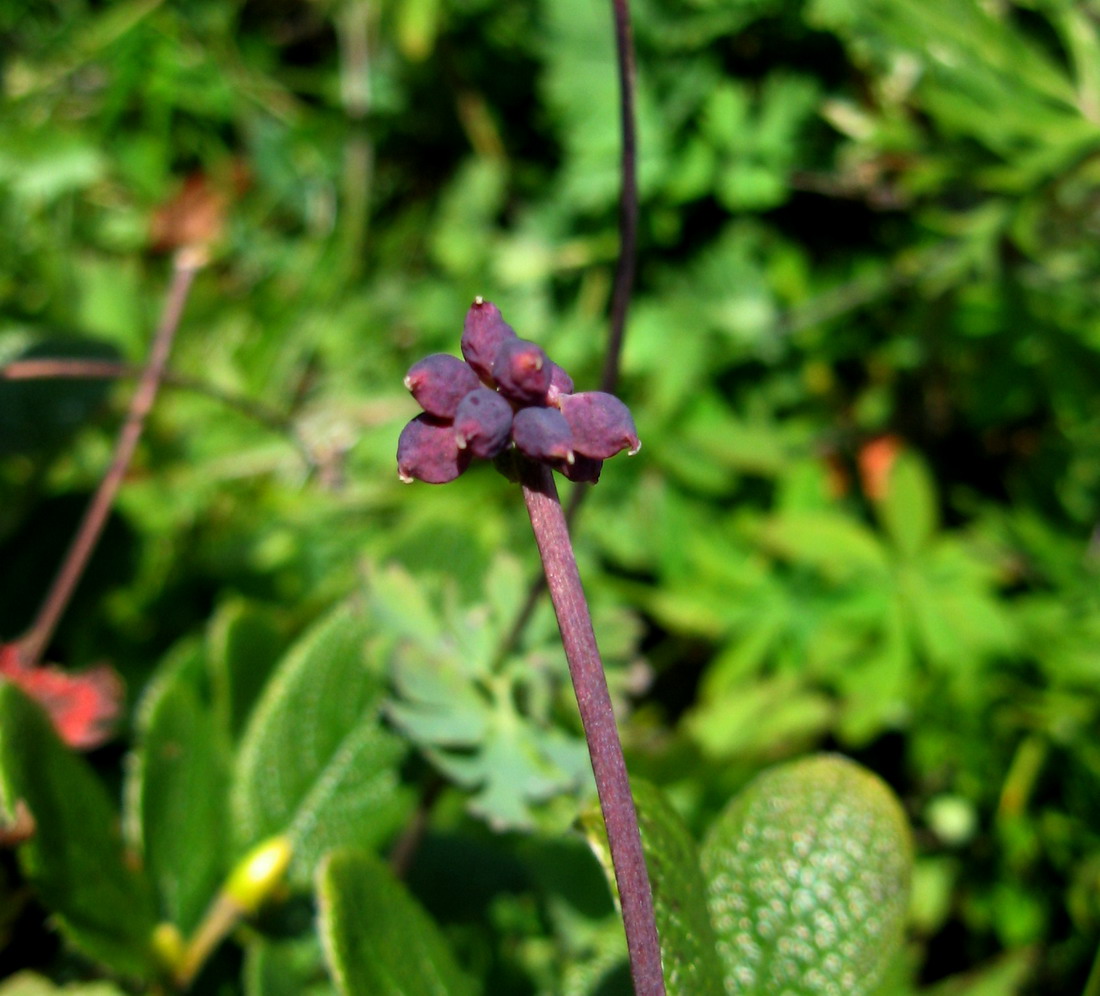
{"x":586,"y":669}
{"x":32,"y":645}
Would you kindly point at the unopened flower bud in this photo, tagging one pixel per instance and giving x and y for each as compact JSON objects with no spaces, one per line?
{"x":483,"y":423}
{"x":543,"y":434}
{"x":482,"y":334}
{"x":583,"y":470}
{"x":560,"y":383}
{"x":258,"y":874}
{"x":439,"y":382}
{"x":602,"y":425}
{"x":522,"y":372}
{"x":427,"y":451}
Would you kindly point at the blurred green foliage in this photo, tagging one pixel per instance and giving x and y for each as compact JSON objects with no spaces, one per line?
{"x":863,"y":357}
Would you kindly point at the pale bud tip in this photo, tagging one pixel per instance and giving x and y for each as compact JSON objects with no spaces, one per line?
{"x":404,"y":478}
{"x":479,"y":300}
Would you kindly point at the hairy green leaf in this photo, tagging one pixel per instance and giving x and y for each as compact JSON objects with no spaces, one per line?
{"x":179,"y":790}
{"x":315,"y":763}
{"x":75,"y":858}
{"x":377,"y":938}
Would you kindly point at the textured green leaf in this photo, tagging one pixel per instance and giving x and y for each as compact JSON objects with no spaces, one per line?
{"x":377,"y":938}
{"x":179,"y":790}
{"x":75,"y":859}
{"x":808,"y":877}
{"x":315,"y":762}
{"x":688,"y":944}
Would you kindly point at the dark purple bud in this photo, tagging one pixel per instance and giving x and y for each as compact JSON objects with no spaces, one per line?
{"x":560,"y":383}
{"x":543,"y":434}
{"x":439,"y":382}
{"x":482,"y":334}
{"x":427,"y":451}
{"x":601,"y":424}
{"x":522,"y":371}
{"x":583,"y":470}
{"x":483,"y":423}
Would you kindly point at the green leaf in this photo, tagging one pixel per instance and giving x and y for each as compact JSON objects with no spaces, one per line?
{"x":293,"y":966}
{"x":839,"y":547}
{"x":1006,"y":974}
{"x":689,"y":950}
{"x":315,"y":763}
{"x":243,"y":646}
{"x":75,"y":859}
{"x":463,"y":710}
{"x":808,"y":876}
{"x":179,"y":791}
{"x":908,"y":511}
{"x":759,"y":718}
{"x":33,"y":984}
{"x":377,"y":938}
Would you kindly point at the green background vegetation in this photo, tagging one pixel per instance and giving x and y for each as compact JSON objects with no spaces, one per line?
{"x":864,"y":361}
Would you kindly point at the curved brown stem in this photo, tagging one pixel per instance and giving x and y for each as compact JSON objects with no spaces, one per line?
{"x":61,"y":368}
{"x":594,"y":702}
{"x":185,"y":264}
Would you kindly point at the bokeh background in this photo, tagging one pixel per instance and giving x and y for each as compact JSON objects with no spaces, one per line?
{"x":863,"y":356}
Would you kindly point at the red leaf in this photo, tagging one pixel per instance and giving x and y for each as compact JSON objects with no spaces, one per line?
{"x":83,"y":706}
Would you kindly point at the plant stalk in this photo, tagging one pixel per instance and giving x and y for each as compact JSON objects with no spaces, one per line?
{"x":594,"y":701}
{"x":628,"y":196}
{"x":185,"y":264}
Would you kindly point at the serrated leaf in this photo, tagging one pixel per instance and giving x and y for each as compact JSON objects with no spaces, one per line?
{"x":75,"y":858}
{"x":315,"y":763}
{"x":179,"y":792}
{"x":808,"y":880}
{"x":377,"y":938}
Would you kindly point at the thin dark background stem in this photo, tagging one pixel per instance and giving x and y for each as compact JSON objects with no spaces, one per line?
{"x":598,"y":717}
{"x":620,"y":299}
{"x":61,"y":368}
{"x":32,"y":645}
{"x":628,"y":197}
{"x":624,"y":278}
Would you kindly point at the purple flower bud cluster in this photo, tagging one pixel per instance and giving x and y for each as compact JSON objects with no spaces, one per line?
{"x":506,"y":392}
